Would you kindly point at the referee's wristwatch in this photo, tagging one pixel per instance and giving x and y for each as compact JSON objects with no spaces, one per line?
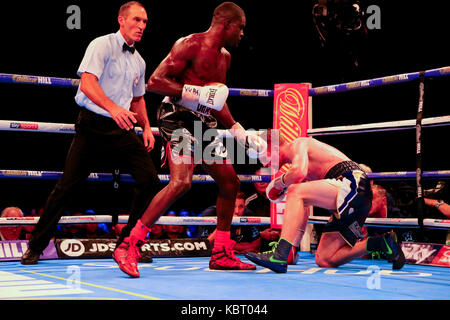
{"x":438,"y":204}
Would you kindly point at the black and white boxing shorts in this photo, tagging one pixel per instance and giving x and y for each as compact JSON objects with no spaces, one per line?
{"x":353,"y":202}
{"x":188,"y":136}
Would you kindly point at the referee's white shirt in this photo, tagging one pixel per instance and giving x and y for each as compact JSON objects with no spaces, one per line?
{"x":120,"y":74}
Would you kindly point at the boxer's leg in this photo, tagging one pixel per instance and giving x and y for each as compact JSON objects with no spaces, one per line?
{"x":317,"y":193}
{"x":180,"y":182}
{"x":334,"y":251}
{"x":299,"y":196}
{"x":222,"y":257}
{"x":228,"y":182}
{"x":127,"y":255}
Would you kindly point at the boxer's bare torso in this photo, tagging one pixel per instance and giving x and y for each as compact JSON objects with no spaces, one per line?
{"x":198,"y":59}
{"x":313,"y":158}
{"x":203,"y":62}
{"x":193,"y":60}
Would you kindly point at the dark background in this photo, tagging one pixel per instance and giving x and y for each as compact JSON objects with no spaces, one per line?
{"x":280,"y":45}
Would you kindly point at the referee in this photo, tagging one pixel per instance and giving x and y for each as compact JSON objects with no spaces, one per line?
{"x":111,"y":97}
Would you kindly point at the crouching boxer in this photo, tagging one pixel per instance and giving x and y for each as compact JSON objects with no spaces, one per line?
{"x":192,"y":77}
{"x":324,"y":177}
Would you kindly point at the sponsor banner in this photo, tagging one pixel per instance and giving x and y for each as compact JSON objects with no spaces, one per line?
{"x":177,"y":248}
{"x":14,"y":249}
{"x":31,"y":79}
{"x":85,"y":248}
{"x":442,"y":258}
{"x":24,"y":126}
{"x":103,"y":248}
{"x":290,"y":117}
{"x":250,"y":220}
{"x":430,"y":254}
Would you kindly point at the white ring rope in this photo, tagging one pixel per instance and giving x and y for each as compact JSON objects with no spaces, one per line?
{"x":380,"y":126}
{"x":164,"y":220}
{"x":241,"y":221}
{"x":47,"y":127}
{"x":392,"y":222}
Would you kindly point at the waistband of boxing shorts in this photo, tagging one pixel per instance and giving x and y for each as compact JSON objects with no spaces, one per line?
{"x":341,"y":168}
{"x":171,"y":100}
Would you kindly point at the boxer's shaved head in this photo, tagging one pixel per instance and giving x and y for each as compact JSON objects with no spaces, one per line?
{"x":227,"y":11}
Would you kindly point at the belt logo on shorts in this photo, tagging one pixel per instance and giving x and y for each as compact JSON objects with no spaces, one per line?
{"x":203,"y":109}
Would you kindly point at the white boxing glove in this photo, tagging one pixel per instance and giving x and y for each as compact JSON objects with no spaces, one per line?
{"x":276,"y":190}
{"x":199,"y":99}
{"x":254,"y":145}
{"x":257,"y":146}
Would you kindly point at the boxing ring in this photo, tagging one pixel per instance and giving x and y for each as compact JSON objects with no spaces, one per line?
{"x":189,"y":278}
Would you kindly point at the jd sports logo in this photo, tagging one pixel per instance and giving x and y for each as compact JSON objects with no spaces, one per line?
{"x":72,"y":247}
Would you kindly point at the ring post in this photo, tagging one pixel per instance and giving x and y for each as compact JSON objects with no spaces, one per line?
{"x":290,"y":118}
{"x":420,"y":200}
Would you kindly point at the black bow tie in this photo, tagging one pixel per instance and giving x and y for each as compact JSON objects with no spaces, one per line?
{"x":126,"y":47}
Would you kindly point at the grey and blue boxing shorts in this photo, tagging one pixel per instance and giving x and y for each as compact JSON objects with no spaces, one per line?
{"x":353,"y":202}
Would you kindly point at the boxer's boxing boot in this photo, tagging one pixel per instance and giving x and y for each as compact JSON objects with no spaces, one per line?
{"x":388,"y":245}
{"x":223,"y":257}
{"x":127,"y":254}
{"x":275,"y":259}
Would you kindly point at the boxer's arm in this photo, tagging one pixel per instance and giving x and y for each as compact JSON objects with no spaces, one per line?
{"x":299,"y":169}
{"x":166,"y":80}
{"x":444,"y":208}
{"x":91,"y":88}
{"x":224,"y":116}
{"x":276,"y":190}
{"x":163,"y":81}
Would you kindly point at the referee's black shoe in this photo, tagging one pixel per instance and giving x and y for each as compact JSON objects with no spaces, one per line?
{"x":145,"y":259}
{"x":30,"y":257}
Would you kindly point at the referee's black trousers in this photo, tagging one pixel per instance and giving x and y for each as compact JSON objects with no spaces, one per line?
{"x":96,"y":137}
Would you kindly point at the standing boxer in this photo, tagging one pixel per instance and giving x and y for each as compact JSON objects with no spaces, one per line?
{"x":111,"y":97}
{"x":324,"y":177}
{"x":192,"y":77}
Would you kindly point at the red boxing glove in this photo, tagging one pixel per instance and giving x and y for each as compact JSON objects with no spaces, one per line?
{"x":276,"y":189}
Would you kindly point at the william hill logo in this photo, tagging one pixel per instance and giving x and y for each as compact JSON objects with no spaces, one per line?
{"x":31,"y":79}
{"x":292,"y":109}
